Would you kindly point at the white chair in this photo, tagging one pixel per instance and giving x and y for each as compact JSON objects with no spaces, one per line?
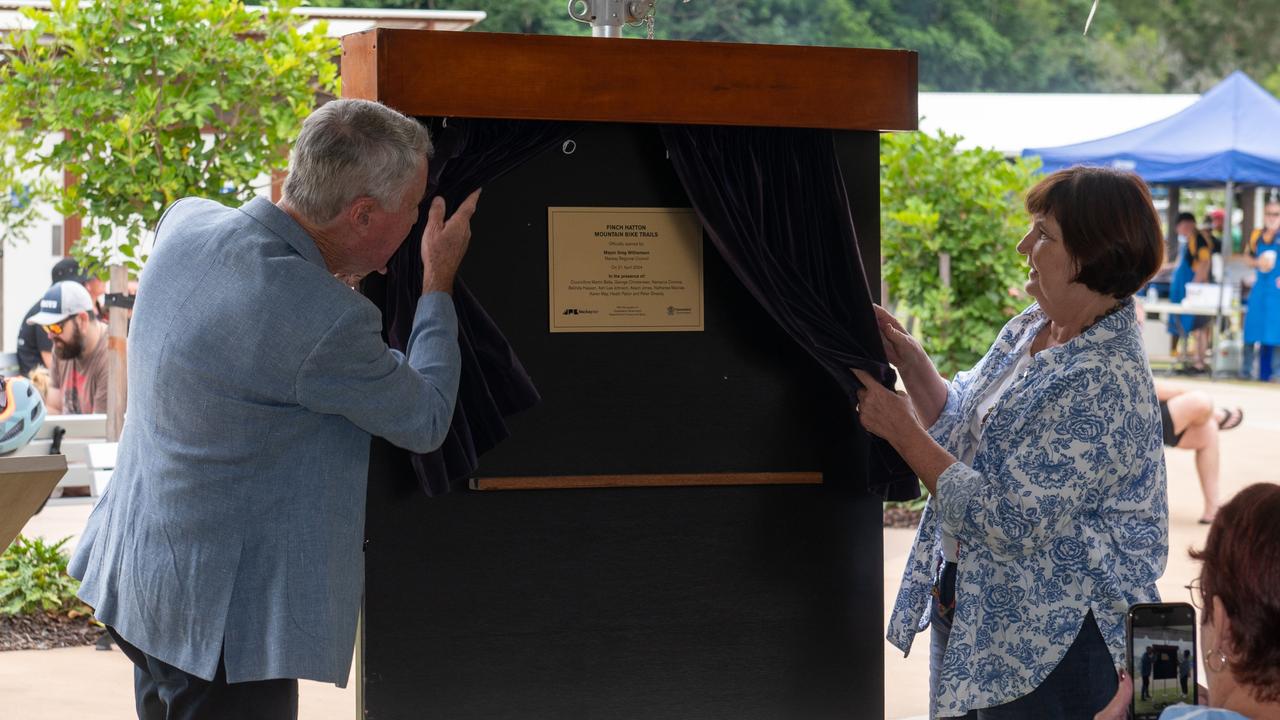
{"x":102,"y":461}
{"x":81,"y":432}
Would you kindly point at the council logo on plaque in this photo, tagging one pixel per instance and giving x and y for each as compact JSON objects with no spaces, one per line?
{"x":624,"y":269}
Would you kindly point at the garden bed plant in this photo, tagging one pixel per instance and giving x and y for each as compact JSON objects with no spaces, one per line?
{"x":905,"y":514}
{"x":38,"y":605}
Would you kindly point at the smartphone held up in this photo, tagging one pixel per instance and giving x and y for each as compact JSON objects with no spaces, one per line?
{"x":1162,"y":656}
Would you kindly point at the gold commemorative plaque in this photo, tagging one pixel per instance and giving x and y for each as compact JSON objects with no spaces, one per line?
{"x":624,"y":269}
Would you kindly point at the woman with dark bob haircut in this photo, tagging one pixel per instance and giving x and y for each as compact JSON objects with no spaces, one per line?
{"x":1238,"y":598}
{"x":1048,"y":515}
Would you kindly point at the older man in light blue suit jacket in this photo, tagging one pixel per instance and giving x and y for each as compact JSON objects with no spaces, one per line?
{"x":229,"y":543}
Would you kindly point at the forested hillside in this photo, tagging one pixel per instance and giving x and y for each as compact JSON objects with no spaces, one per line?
{"x":970,"y":45}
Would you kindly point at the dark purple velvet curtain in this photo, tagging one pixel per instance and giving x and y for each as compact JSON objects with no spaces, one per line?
{"x":469,"y":154}
{"x":774,"y":204}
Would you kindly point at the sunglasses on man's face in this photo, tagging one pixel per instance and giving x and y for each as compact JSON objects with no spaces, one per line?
{"x":58,"y":327}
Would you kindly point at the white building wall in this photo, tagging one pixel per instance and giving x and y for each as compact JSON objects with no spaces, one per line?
{"x":1012,"y":122}
{"x":27,"y":263}
{"x":26,"y":274}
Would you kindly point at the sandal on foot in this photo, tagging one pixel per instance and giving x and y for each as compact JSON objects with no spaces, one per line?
{"x":1232,"y":418}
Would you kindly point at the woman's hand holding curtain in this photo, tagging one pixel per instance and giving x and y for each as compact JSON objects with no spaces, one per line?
{"x":927,"y":388}
{"x":892,"y":416}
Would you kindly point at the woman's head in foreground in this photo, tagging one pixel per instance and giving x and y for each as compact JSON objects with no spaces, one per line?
{"x":1240,"y":596}
{"x":1094,"y":234}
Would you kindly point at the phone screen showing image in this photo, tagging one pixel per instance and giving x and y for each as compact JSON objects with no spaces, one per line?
{"x":1162,"y":657}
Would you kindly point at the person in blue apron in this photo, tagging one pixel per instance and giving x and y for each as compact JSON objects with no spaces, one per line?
{"x":1262,"y":320}
{"x":1195,"y":253}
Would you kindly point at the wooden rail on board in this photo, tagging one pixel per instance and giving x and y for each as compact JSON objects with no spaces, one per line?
{"x":575,"y":482}
{"x":547,"y":77}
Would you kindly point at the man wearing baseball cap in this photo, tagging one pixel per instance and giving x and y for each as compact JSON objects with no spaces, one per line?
{"x":78,"y":376}
{"x":34,"y":347}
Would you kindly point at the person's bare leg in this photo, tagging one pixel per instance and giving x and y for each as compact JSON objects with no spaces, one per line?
{"x":1166,"y":390}
{"x":1188,"y":409}
{"x":1202,"y":348}
{"x":1203,"y":438}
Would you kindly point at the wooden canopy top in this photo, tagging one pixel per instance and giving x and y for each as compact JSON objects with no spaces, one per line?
{"x":547,"y":77}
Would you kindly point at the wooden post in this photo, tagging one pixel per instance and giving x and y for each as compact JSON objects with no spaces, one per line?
{"x":1249,"y":205}
{"x":1171,"y":223}
{"x":277,"y":182}
{"x":117,"y":347}
{"x":71,"y":224}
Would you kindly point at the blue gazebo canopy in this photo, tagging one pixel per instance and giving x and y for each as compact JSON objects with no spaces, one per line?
{"x":1232,"y":133}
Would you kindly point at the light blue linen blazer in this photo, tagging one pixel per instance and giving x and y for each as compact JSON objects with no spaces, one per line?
{"x":235,"y":515}
{"x":1063,"y":511}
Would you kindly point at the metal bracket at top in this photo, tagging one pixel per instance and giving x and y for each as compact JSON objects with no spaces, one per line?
{"x":120,"y":300}
{"x":607,"y":17}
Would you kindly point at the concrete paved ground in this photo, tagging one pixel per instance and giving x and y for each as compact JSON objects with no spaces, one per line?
{"x":83,"y":684}
{"x":86,"y":684}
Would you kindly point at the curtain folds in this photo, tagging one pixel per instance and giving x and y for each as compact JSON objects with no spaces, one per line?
{"x":468,"y":154}
{"x":774,"y":203}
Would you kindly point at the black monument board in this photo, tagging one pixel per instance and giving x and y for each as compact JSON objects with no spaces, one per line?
{"x":754,"y":601}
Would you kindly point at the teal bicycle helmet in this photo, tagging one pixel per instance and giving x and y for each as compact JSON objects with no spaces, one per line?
{"x":21,"y":413}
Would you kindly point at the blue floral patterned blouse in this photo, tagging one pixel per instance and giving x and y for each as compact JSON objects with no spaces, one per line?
{"x":1063,"y":511}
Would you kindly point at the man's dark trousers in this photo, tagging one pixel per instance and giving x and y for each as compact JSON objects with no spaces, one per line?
{"x":163,"y":692}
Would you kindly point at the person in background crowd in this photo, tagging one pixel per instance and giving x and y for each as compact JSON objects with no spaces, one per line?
{"x":35,"y":349}
{"x":1049,"y":514}
{"x":97,"y":288}
{"x":1145,"y":666}
{"x":1213,"y":233}
{"x":1262,"y":318}
{"x":1185,"y":666}
{"x":1190,"y":422}
{"x":1194,"y":265}
{"x":78,"y":375}
{"x":1238,"y":598}
{"x":39,"y":378}
{"x":1218,"y":220}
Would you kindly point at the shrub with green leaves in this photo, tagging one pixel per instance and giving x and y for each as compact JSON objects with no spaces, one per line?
{"x":33,"y":578}
{"x":160,"y":99}
{"x":936,"y":198}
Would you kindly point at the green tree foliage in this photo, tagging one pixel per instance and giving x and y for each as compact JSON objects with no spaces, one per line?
{"x":994,"y":45}
{"x":33,"y":578}
{"x":936,"y":199}
{"x":793,"y":22}
{"x":804,"y":22}
{"x":534,"y":17}
{"x":160,"y":99}
{"x":1008,"y":45}
{"x":18,"y":211}
{"x":1214,"y":37}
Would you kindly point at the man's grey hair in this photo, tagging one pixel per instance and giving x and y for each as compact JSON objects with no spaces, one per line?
{"x":350,"y":149}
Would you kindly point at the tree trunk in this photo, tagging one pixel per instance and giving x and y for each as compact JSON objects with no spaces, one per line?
{"x":117,"y":347}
